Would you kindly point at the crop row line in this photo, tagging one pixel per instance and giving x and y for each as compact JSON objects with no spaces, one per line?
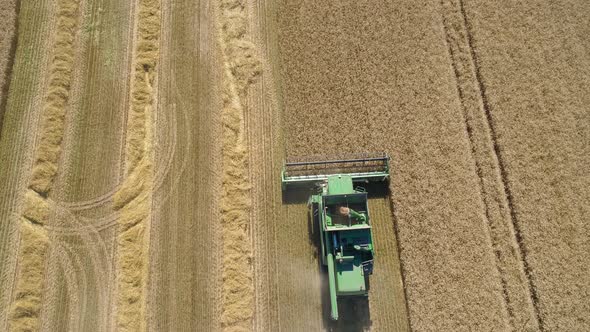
{"x":502,"y":167}
{"x":26,"y":307}
{"x":504,"y":232}
{"x":478,"y":164}
{"x":241,"y":66}
{"x":134,"y":198}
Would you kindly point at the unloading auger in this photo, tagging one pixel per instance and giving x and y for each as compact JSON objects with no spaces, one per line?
{"x":341,"y":210}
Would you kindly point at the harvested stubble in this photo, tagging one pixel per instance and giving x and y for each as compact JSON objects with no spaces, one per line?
{"x":133,"y":200}
{"x":185,"y":274}
{"x":241,"y":66}
{"x":534,"y":68}
{"x":25,"y":311}
{"x":53,"y":112}
{"x":8,"y":27}
{"x":26,"y":307}
{"x":26,"y":93}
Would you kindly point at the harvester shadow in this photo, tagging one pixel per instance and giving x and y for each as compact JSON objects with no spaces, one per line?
{"x":355,"y":314}
{"x":298,"y":195}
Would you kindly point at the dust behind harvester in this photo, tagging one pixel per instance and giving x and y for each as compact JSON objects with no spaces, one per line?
{"x":339,"y":204}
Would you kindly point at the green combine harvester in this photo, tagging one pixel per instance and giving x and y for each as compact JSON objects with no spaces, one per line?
{"x":340,"y":207}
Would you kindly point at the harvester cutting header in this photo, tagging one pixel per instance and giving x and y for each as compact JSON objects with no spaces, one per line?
{"x":341,"y":210}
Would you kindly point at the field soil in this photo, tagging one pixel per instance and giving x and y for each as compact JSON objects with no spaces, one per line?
{"x":80,"y":272}
{"x":8,"y":36}
{"x":142,"y":142}
{"x":18,"y":136}
{"x":184,"y":260}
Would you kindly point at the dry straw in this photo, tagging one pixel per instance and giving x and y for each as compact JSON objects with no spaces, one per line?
{"x":241,"y":66}
{"x":134,"y":197}
{"x":56,"y":100}
{"x":26,"y":306}
{"x":36,"y":208}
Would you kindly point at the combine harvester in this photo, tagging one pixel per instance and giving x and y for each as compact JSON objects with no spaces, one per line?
{"x":339,"y":205}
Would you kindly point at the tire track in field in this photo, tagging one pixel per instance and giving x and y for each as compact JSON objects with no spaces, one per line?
{"x":102,"y":54}
{"x":516,"y":231}
{"x":133,"y":200}
{"x":89,"y":244}
{"x":62,"y":309}
{"x":103,"y":222}
{"x":76,"y":283}
{"x":26,"y":308}
{"x":184,"y":281}
{"x":510,"y":255}
{"x":168,"y":243}
{"x":86,"y":229}
{"x":65,"y":265}
{"x":37,"y":210}
{"x":19,"y":136}
{"x":535,"y":70}
{"x":87,"y":240}
{"x":502,"y":167}
{"x":458,"y":67}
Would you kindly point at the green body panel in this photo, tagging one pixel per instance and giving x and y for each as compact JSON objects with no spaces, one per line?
{"x":331,"y":276}
{"x":350,"y":279}
{"x":340,"y":184}
{"x":347,"y":243}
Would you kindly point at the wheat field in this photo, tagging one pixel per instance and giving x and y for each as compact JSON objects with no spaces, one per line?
{"x":141,"y":146}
